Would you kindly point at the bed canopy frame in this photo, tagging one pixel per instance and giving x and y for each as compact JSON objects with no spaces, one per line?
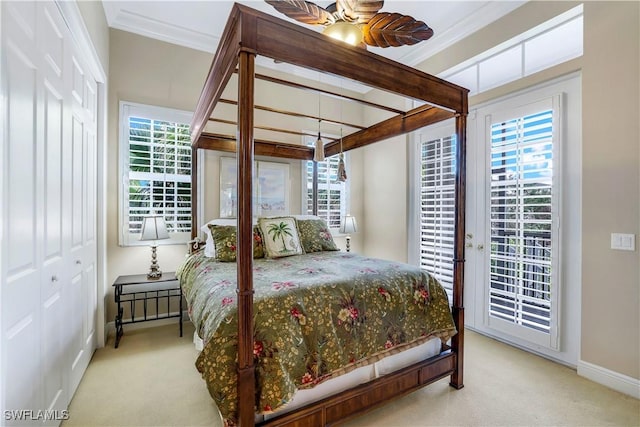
{"x":249,"y":33}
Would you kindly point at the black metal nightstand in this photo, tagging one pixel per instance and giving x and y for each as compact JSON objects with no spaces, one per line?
{"x":138,"y":290}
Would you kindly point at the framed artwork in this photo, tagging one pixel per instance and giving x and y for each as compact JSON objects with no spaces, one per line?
{"x":270,"y":188}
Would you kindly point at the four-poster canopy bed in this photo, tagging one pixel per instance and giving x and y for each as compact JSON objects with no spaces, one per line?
{"x":249,"y":33}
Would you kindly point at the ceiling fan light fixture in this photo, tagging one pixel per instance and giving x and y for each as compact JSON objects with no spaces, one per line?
{"x":344,"y":31}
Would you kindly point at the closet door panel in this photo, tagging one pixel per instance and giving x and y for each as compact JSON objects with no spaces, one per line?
{"x":75,"y":300}
{"x":21,"y":209}
{"x":90,"y":244}
{"x":77,"y":80}
{"x":76,"y":347}
{"x":21,"y":228}
{"x":83,"y":226}
{"x":23,"y":359}
{"x":55,"y":276}
{"x":53,"y":353}
{"x":76,"y":184}
{"x":53,"y":149}
{"x":21,"y":21}
{"x":90,"y":308}
{"x":52,"y":40}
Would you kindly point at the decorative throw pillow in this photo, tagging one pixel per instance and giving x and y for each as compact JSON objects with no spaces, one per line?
{"x":280,"y":236}
{"x":315,"y":235}
{"x":210,"y":248}
{"x":224,"y":238}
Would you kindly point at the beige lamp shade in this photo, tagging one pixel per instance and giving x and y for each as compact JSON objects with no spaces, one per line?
{"x":349,"y":225}
{"x":154,"y":228}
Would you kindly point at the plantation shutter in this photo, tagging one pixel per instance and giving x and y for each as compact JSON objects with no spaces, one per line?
{"x":437,"y":208}
{"x":158,"y":175}
{"x":522,"y":227}
{"x":331,"y":192}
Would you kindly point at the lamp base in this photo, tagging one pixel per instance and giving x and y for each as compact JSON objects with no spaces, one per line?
{"x":348,"y":243}
{"x":154,"y":269}
{"x":154,"y":274}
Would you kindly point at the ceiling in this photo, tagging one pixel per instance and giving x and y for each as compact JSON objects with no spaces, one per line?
{"x":199,"y":24}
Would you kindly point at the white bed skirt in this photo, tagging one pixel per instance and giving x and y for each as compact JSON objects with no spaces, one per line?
{"x":356,"y":377}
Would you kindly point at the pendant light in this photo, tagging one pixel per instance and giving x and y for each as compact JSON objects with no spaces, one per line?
{"x":342,"y":172}
{"x":318,"y":153}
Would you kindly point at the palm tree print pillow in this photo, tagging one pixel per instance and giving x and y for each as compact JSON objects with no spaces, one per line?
{"x":280,"y":236}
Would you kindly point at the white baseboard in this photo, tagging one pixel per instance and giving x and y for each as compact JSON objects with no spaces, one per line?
{"x":614,"y":380}
{"x":111,"y":326}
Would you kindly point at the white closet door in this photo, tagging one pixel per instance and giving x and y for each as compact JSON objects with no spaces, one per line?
{"x":48,"y":250}
{"x":82,"y":292}
{"x":90,"y":215}
{"x":22,"y":208}
{"x":55,"y":153}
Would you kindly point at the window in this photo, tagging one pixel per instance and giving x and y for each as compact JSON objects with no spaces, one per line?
{"x":550,"y":43}
{"x":155,"y":159}
{"x":437,"y":208}
{"x":521,"y":206}
{"x":332,"y":194}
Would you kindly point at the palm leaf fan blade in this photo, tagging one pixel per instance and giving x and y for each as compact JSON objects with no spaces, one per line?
{"x":303,"y":11}
{"x":358,"y":10}
{"x":394,"y":29}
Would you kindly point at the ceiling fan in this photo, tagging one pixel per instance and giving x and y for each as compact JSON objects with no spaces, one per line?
{"x":357,"y":22}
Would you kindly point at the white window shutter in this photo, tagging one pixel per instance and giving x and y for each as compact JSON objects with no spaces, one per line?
{"x":521,"y":221}
{"x":156,"y":168}
{"x":437,"y":208}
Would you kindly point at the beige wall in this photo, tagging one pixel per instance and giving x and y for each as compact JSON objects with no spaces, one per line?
{"x":610,"y":335}
{"x":385,"y":194}
{"x":156,"y":73}
{"x":148,"y":71}
{"x":611,"y":186}
{"x":96,"y":22}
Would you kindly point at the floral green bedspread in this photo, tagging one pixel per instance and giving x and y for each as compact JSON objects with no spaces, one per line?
{"x":316,"y":316}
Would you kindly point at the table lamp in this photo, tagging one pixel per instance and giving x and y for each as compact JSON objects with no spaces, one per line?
{"x":348,"y":226}
{"x":154,"y":228}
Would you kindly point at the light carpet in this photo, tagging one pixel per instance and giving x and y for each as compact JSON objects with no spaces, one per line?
{"x":151,"y":380}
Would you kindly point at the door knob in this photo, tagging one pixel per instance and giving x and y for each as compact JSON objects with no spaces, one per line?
{"x":54,"y":279}
{"x":480,"y":247}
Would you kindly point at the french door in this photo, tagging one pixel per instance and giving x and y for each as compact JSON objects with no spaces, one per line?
{"x":522,"y":270}
{"x":521,"y":207}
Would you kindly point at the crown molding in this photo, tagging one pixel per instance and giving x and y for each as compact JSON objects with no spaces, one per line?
{"x":487,"y":14}
{"x":135,"y":23}
{"x":132,"y":22}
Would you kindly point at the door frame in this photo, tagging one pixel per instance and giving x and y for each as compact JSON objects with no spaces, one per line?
{"x":571,"y":222}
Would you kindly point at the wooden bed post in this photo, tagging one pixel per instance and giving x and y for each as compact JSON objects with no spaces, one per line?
{"x":314,"y":189}
{"x":194,"y":191}
{"x":457,"y":342}
{"x":246,"y":368}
